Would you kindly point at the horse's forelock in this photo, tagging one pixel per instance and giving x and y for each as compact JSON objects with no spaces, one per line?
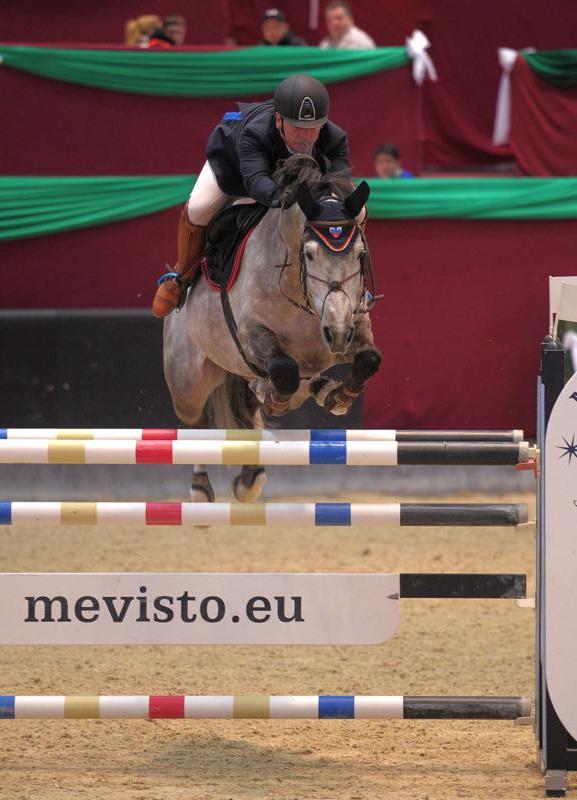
{"x":299,"y":169}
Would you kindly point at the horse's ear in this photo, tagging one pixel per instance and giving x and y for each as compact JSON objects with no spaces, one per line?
{"x":355,"y":201}
{"x":308,"y":206}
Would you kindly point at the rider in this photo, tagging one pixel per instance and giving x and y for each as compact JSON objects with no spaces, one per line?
{"x":242,"y":153}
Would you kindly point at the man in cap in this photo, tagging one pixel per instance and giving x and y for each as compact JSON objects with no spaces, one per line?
{"x":242,"y":153}
{"x":276,"y":30}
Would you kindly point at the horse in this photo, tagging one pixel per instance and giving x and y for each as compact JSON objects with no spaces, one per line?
{"x":299,"y":306}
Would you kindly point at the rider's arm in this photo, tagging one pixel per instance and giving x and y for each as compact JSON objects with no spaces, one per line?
{"x":338,"y":150}
{"x":255,"y":171}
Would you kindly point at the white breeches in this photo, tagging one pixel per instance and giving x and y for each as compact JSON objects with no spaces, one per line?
{"x":206,"y":198}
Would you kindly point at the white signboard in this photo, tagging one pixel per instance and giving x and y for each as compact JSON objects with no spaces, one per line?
{"x":197,"y":608}
{"x":560,"y":559}
{"x":556,"y":285}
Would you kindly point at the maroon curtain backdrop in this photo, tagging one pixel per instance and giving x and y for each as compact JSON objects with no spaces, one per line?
{"x":466,"y":304}
{"x":465,"y":37}
{"x":464,"y":310}
{"x":62,"y":129}
{"x":543,"y":134}
{"x":72,"y":21}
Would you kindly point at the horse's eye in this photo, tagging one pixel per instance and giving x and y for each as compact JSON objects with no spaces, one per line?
{"x":309,"y":255}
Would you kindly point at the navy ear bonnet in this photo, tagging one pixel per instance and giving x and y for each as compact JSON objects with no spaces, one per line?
{"x":332,"y":226}
{"x":330,"y":221}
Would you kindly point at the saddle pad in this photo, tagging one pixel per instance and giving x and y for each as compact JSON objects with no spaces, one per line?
{"x":227,"y":236}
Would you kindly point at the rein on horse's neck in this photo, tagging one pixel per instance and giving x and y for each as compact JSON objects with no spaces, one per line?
{"x":290,"y":226}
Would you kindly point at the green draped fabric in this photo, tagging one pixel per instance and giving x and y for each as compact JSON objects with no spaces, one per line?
{"x":38,"y":206}
{"x":228,"y":73}
{"x":558,"y":67}
{"x":474,"y":198}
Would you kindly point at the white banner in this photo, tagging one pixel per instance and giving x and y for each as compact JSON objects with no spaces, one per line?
{"x":197,"y":608}
{"x":560,"y":559}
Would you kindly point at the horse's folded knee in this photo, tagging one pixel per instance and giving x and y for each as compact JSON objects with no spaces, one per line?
{"x":366,"y":363}
{"x":284,"y":373}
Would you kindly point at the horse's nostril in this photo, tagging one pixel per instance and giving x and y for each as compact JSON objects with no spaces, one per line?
{"x":350,"y":335}
{"x":327,"y":334}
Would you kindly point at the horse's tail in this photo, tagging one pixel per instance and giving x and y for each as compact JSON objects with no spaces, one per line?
{"x":232,"y":405}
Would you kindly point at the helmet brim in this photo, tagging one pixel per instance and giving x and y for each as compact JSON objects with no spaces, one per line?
{"x":301,"y":123}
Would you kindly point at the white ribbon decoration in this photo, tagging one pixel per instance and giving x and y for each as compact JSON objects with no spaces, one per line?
{"x":502,"y":126}
{"x":417,"y":44}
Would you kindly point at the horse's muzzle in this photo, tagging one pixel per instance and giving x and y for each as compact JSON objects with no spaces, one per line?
{"x":338,"y":339}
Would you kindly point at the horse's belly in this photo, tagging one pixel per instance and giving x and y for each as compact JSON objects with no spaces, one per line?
{"x":208,"y":331}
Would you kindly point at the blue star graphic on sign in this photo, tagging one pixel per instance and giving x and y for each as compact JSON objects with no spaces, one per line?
{"x":569,"y":448}
{"x":573,"y":396}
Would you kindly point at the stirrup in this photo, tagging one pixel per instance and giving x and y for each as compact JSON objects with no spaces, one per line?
{"x":177,"y":276}
{"x":182,"y":284}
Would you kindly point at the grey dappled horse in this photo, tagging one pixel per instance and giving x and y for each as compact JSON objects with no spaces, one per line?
{"x":300,"y":308}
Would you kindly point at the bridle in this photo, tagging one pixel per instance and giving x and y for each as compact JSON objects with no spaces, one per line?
{"x":318,"y":231}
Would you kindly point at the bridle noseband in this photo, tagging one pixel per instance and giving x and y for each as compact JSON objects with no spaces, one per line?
{"x":336,"y":237}
{"x":321,"y":231}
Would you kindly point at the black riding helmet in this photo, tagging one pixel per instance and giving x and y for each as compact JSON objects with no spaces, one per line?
{"x":302,"y":101}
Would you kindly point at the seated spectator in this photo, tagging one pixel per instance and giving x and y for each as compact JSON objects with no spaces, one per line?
{"x":276,"y":30}
{"x":387,"y":162}
{"x":172,"y":33}
{"x":343,"y":33}
{"x":137,"y":32}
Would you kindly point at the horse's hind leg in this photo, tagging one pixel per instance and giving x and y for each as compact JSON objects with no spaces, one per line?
{"x":283,"y":380}
{"x":201,"y":490}
{"x":248,"y":486}
{"x":191,"y":379}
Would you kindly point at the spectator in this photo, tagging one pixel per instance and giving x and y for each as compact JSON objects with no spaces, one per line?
{"x":276,"y":30}
{"x":387,"y":162}
{"x":172,"y":33}
{"x":343,"y":33}
{"x":137,"y":32}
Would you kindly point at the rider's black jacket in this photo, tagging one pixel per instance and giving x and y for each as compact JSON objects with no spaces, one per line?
{"x":244,"y":149}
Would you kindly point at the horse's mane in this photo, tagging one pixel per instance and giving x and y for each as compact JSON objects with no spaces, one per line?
{"x":299,"y":169}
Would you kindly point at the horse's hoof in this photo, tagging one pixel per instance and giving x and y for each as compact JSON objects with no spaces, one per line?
{"x":340,"y":401}
{"x":258,"y":388}
{"x":338,"y":410}
{"x":321,"y":388}
{"x":249,"y":494}
{"x":276,"y":408}
{"x":201,"y":490}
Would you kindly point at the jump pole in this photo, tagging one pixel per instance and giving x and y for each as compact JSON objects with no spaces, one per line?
{"x":47,"y":451}
{"x":221,"y":434}
{"x":262,"y":707}
{"x":53,"y":513}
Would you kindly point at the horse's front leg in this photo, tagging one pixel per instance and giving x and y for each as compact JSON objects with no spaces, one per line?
{"x":338,"y":397}
{"x":283,"y":372}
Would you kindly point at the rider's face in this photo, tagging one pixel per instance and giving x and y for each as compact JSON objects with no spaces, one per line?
{"x":299,"y":140}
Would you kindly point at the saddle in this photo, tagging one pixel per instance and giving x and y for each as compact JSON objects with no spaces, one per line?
{"x":226,"y":238}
